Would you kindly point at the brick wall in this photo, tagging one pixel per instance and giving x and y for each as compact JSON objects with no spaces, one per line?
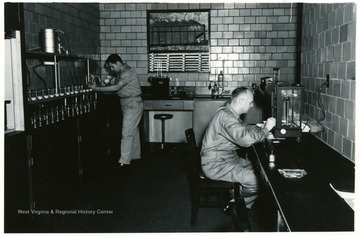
{"x":329,"y":48}
{"x":80,"y":22}
{"x":251,"y":38}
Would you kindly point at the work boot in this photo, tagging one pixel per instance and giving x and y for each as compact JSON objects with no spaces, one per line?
{"x":239,"y":215}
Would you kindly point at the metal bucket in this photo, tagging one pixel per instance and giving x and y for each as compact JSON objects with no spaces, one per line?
{"x":48,"y":40}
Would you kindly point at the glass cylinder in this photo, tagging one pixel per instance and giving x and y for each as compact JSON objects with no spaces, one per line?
{"x":276,"y":75}
{"x":68,"y":90}
{"x":62,"y":91}
{"x":39,"y":94}
{"x":45,"y":93}
{"x":32,"y":95}
{"x":51,"y":92}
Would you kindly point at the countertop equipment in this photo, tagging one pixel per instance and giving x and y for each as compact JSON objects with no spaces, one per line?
{"x":159,"y":86}
{"x":51,"y":42}
{"x":48,"y":40}
{"x":287,"y":105}
{"x":284,"y":101}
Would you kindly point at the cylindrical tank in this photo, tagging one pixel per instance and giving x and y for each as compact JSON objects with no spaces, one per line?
{"x":48,"y":41}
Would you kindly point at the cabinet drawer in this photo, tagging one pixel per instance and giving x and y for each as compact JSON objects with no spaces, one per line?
{"x":163,"y":105}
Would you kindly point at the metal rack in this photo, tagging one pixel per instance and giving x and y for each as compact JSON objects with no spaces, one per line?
{"x":59,"y":103}
{"x":54,"y":59}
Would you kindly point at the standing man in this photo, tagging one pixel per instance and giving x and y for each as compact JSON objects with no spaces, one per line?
{"x":226,"y":134}
{"x":127,"y":87}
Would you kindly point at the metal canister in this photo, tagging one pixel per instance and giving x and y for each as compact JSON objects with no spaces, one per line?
{"x":48,"y":40}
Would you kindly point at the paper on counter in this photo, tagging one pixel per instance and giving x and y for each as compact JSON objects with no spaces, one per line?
{"x":305,"y":128}
{"x":261,"y":125}
{"x":347,"y":196}
{"x":293,"y":173}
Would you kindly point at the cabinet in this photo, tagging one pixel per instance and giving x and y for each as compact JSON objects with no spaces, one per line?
{"x":188,"y":113}
{"x":204,"y":110}
{"x":13,"y":92}
{"x":17,"y":188}
{"x":56,"y":116}
{"x":182,"y":111}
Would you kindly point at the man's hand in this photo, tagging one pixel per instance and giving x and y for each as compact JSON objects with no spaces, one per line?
{"x":270,"y":123}
{"x":91,"y":86}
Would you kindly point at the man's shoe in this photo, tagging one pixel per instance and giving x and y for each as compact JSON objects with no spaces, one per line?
{"x":239,"y":214}
{"x":228,"y":208}
{"x":123,"y":166}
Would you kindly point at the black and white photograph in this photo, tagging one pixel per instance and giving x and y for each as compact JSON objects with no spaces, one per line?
{"x":138,"y":117}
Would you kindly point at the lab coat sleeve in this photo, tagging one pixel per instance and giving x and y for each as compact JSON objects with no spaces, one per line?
{"x":244,"y":135}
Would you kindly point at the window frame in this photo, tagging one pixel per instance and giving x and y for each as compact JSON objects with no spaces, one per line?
{"x":199,"y":45}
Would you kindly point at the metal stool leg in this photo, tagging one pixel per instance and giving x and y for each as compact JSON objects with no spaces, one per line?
{"x":162,"y":146}
{"x":163,"y":117}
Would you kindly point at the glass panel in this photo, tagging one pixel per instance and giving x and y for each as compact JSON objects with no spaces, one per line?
{"x":176,"y":35}
{"x":291,"y":108}
{"x":178,"y":30}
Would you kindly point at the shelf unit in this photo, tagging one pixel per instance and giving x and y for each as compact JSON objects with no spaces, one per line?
{"x":56,"y":119}
{"x":59,"y":103}
{"x":54,"y":59}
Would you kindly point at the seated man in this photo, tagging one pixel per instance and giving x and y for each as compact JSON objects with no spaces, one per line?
{"x":226,"y":134}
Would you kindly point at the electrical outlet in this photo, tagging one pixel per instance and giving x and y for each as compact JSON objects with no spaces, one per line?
{"x":327,"y":81}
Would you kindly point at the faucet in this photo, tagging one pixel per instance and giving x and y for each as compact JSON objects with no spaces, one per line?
{"x":214,"y":89}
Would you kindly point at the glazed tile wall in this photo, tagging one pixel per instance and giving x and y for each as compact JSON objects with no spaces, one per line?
{"x":329,"y":48}
{"x":80,"y":22}
{"x":251,"y":39}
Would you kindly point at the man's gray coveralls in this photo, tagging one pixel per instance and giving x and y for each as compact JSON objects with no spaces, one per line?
{"x":225,"y":134}
{"x":132,"y":110}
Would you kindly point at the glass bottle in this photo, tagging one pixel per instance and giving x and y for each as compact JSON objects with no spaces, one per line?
{"x":276,"y":75}
{"x":221,"y":80}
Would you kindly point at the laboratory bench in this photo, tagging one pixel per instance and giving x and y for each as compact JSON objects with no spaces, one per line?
{"x":305,"y":203}
{"x":54,"y":161}
{"x":189,"y":111}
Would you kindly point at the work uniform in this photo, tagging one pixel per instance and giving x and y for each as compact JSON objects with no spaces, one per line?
{"x":225,"y":134}
{"x":132,"y":110}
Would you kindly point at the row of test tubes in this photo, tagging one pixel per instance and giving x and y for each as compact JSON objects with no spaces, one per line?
{"x":46,"y":114}
{"x":44,"y":94}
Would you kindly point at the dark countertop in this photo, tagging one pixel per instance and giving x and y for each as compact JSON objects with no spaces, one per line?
{"x":184,"y":97}
{"x":309,"y":203}
{"x":184,"y":93}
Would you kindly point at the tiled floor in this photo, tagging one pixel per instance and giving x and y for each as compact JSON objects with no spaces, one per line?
{"x":151,"y":195}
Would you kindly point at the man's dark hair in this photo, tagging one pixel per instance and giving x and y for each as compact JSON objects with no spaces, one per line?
{"x":113,"y":58}
{"x":238,"y":91}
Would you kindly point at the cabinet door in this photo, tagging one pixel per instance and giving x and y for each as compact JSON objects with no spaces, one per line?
{"x":13,"y":91}
{"x":16,"y":184}
{"x":204,"y":110}
{"x":55,"y":168}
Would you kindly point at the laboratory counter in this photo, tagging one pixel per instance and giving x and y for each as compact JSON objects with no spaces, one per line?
{"x":188,"y":111}
{"x":306,"y":201}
